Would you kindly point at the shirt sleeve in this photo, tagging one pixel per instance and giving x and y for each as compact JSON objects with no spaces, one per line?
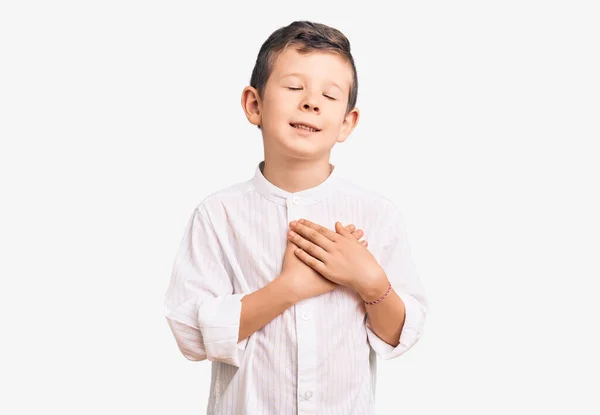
{"x":398,"y":264}
{"x":201,"y":309}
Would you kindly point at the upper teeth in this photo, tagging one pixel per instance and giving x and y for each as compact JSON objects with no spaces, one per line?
{"x":304,"y":127}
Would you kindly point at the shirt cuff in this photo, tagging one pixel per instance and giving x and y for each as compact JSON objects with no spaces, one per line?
{"x":219,"y":322}
{"x":411,"y":331}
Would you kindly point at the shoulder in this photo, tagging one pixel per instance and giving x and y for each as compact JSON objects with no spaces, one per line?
{"x":373,"y":202}
{"x":217,"y":202}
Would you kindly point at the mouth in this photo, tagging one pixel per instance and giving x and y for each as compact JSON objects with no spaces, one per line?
{"x":305,"y":127}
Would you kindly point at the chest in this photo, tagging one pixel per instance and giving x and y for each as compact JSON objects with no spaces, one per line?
{"x":254,"y":241}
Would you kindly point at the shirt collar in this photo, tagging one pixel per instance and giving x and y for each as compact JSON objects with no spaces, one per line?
{"x":303,"y":197}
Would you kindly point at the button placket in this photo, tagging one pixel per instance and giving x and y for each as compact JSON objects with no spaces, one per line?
{"x":306,"y":330}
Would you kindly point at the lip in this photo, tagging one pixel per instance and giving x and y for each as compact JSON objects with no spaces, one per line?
{"x":305,"y":123}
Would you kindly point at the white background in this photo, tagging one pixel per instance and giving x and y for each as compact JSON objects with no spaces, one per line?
{"x":479,"y":119}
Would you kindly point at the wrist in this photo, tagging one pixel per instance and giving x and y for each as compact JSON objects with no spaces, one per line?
{"x":374,"y":289}
{"x":287,"y":290}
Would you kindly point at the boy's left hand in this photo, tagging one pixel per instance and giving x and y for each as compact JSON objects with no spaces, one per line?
{"x":338,"y":256}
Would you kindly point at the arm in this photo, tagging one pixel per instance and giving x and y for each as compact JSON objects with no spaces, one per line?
{"x":386,"y":318}
{"x":395,"y":324}
{"x":343,"y":262}
{"x":257,"y":310}
{"x":263,"y":305}
{"x":199,"y":305}
{"x":206,"y":318}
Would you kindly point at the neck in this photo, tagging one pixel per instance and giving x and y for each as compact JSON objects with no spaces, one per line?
{"x":296,"y":175}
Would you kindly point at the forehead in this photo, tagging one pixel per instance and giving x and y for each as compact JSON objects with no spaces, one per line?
{"x":317,"y":65}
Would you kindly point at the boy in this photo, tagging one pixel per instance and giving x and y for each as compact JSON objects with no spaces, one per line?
{"x":289,"y":306}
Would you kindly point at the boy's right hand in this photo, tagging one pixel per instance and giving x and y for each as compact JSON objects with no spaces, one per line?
{"x":304,"y":282}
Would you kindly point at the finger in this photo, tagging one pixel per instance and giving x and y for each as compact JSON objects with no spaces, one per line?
{"x":309,"y":247}
{"x":358,"y":234}
{"x":341,"y":230}
{"x":310,"y":261}
{"x":316,"y":233}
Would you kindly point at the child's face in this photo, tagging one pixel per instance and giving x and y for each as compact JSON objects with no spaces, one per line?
{"x":311,"y":89}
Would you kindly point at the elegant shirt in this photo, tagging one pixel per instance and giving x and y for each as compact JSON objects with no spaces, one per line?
{"x":318,"y":356}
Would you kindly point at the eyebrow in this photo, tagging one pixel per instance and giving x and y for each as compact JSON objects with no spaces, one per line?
{"x":302,"y":76}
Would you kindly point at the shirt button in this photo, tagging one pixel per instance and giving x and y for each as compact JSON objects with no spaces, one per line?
{"x":305,"y":316}
{"x":296,"y":200}
{"x":308,"y":394}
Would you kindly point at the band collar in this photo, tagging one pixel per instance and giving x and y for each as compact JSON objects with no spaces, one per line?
{"x":303,"y":197}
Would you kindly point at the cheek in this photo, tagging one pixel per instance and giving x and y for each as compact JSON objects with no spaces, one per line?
{"x":335,"y":117}
{"x":275,"y":108}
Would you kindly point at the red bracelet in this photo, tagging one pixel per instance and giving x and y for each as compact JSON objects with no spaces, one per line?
{"x":382,"y":297}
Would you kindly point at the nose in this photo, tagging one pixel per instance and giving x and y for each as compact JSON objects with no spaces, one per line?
{"x":310,"y":103}
{"x":309,"y":107}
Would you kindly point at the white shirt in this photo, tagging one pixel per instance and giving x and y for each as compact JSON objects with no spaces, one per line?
{"x":319,"y":356}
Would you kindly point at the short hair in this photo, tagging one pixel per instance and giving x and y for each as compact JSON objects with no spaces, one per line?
{"x":307,"y":37}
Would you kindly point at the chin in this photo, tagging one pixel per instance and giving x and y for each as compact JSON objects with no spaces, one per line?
{"x":293,"y":148}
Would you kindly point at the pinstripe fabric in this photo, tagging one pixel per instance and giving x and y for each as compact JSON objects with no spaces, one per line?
{"x":319,"y":356}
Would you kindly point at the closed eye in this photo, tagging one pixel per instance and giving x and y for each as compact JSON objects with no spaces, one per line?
{"x":298,"y":89}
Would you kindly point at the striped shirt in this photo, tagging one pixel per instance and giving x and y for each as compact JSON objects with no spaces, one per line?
{"x":318,"y":356}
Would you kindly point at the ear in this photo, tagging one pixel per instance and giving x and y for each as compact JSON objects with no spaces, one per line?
{"x":350,"y":121}
{"x":251,"y":105}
